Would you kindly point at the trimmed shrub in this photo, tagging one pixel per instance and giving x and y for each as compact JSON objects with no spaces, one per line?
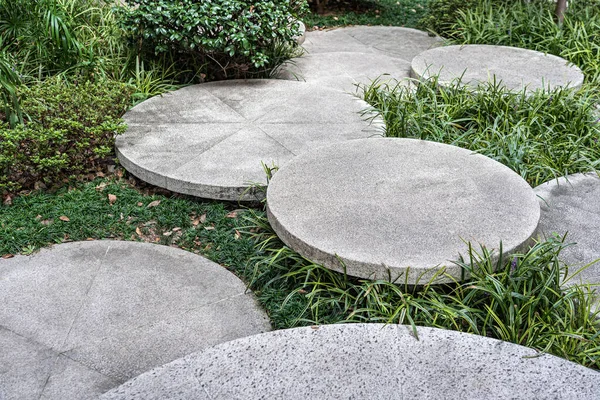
{"x":69,"y":130}
{"x":224,"y":38}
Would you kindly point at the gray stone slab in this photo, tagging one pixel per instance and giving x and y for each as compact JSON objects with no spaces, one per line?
{"x":396,"y":42}
{"x":344,"y":70}
{"x":346,"y":57}
{"x":24,"y":366}
{"x":213,"y":146}
{"x":360,"y":361}
{"x":82,"y":317}
{"x":516,"y":68}
{"x":72,"y":380}
{"x":571,"y":205}
{"x":399,"y":208}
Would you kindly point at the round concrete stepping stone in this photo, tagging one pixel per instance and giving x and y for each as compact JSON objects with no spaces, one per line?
{"x":345,"y":70}
{"x":396,"y":42}
{"x":81,"y":318}
{"x":209,"y":140}
{"x":571,"y":205}
{"x":387,"y":207}
{"x":515,"y":67}
{"x":365,"y":361}
{"x":343,"y":58}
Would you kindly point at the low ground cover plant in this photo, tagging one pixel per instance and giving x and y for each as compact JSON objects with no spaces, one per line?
{"x":330,"y":13}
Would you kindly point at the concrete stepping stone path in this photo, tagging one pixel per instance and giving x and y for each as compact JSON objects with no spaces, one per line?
{"x":515,"y":67}
{"x":364,"y":361}
{"x":571,"y":205}
{"x":389,"y":207}
{"x":81,"y":318}
{"x":342,"y":58}
{"x":209,"y":140}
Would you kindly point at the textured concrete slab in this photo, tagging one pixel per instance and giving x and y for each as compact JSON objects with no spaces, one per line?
{"x":209,"y":140}
{"x":397,"y":42}
{"x":345,"y":70}
{"x":80,"y":318}
{"x":517,"y":68}
{"x":571,"y":205}
{"x":388,"y":207}
{"x":364,"y":361}
{"x":346,"y":57}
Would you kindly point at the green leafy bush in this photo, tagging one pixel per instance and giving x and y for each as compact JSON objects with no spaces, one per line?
{"x":69,"y":130}
{"x":540,"y":136}
{"x":224,"y":38}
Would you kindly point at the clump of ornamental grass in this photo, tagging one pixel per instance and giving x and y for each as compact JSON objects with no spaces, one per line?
{"x":524,"y":299}
{"x":541,"y":135}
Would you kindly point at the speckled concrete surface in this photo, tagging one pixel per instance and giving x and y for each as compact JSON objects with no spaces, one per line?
{"x":387,"y":207}
{"x":364,"y":361}
{"x":571,"y":206}
{"x":515,"y":67}
{"x":80,"y":318}
{"x":209,"y":140}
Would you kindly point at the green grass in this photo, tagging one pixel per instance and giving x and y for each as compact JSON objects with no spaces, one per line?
{"x":34,"y":220}
{"x":405,"y":13}
{"x":540,"y":136}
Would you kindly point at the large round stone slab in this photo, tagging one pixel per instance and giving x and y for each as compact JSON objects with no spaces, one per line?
{"x":395,"y":42}
{"x":346,"y":57}
{"x":209,"y":140}
{"x":345,"y":70}
{"x":365,"y":361}
{"x":571,"y":205}
{"x":81,"y":318}
{"x":515,"y":67}
{"x":386,"y":207}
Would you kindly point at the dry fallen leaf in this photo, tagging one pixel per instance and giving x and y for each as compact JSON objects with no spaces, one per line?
{"x":140,"y":204}
{"x":112,"y":198}
{"x":138,"y":231}
{"x":7,"y":256}
{"x":101,"y":186}
{"x":7,"y":200}
{"x":209,"y":228}
{"x":167,"y":233}
{"x":232,"y":214}
{"x":153,"y":204}
{"x":177,"y":229}
{"x":237,"y":235}
{"x":47,"y":222}
{"x":203,"y":218}
{"x":64,"y":218}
